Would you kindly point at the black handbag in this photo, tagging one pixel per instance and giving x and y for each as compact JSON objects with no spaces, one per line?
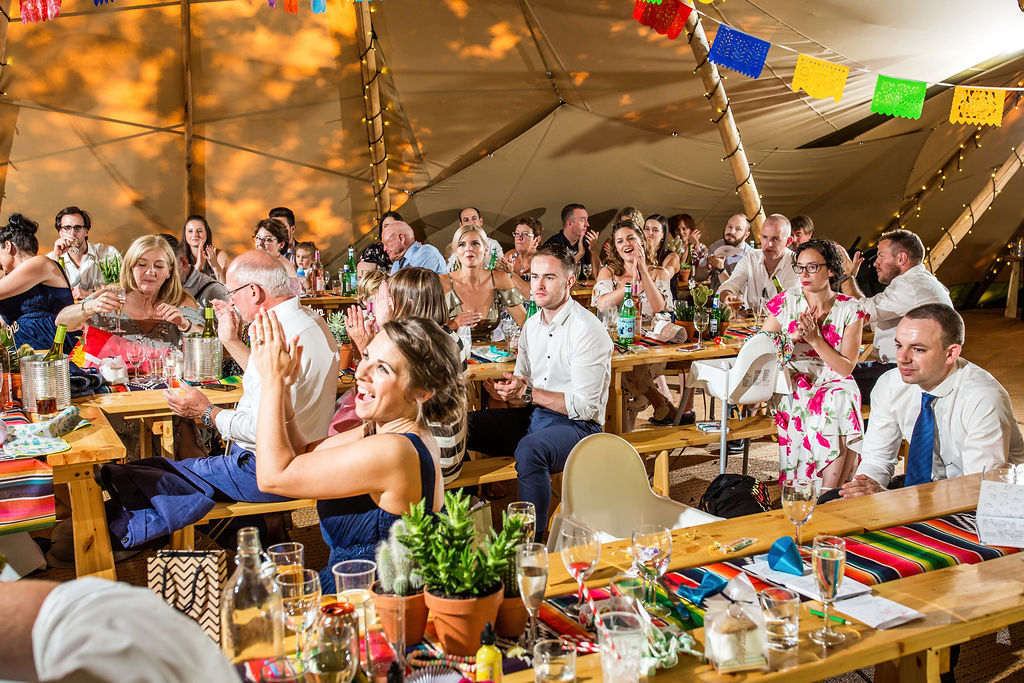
{"x":735,"y":495}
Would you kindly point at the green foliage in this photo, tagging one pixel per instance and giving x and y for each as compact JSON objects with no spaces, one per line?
{"x":110,"y":268}
{"x":445,"y":553}
{"x":684,"y":311}
{"x":336,"y":323}
{"x":395,"y":567}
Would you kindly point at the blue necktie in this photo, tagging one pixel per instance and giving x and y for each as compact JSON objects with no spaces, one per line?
{"x":922,"y":445}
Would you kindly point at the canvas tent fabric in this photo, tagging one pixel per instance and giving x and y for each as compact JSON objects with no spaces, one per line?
{"x":513,"y":107}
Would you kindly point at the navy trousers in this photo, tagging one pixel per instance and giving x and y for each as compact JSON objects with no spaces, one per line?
{"x":538,"y":438}
{"x":153,"y":497}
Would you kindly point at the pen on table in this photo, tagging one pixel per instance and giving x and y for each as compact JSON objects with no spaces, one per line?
{"x":838,"y":620}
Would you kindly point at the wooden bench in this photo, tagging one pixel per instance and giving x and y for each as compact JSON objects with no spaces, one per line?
{"x":474,"y":472}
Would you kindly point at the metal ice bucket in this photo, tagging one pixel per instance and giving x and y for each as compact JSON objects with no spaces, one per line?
{"x":41,"y":378}
{"x":203,"y":359}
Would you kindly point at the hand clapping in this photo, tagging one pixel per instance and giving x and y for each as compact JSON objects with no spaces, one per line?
{"x":275,"y":357}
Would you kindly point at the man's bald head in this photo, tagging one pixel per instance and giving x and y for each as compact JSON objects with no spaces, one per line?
{"x":397,"y":238}
{"x":257,"y":280}
{"x":775,"y":235}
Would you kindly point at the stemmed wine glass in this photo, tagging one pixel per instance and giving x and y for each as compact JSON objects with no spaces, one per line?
{"x":527,"y":514}
{"x":154,"y":354}
{"x":652,"y":548}
{"x":136,"y":354}
{"x":799,"y":498}
{"x":701,"y":320}
{"x":829,"y":562}
{"x":581,"y":549}
{"x":587,"y":270}
{"x":532,"y":576}
{"x":300,"y":595}
{"x":121,"y":295}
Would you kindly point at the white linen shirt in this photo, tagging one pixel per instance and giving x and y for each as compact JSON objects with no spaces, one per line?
{"x":752,"y":281}
{"x":913,"y":288}
{"x":571,"y":354}
{"x":974,"y":424}
{"x":312,"y":393}
{"x":88,"y":275}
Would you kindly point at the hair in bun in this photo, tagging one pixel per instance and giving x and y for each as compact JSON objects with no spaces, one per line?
{"x":21,"y":232}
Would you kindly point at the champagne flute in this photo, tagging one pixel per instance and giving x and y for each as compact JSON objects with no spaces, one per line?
{"x":300,"y":595}
{"x":799,"y":498}
{"x":532,"y":576}
{"x":829,"y":561}
{"x":580,"y":548}
{"x":527,"y":513}
{"x":652,"y":548}
{"x":701,"y":320}
{"x":136,"y":354}
{"x":122,"y":296}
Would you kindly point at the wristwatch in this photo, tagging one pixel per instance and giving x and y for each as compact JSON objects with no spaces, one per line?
{"x":527,"y":396}
{"x":208,"y":416}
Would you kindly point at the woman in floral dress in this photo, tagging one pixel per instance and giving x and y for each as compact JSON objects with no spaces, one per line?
{"x":820,"y":426}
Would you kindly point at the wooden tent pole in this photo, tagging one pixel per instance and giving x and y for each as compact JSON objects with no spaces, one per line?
{"x":9,"y":115}
{"x":195,"y":192}
{"x":722,"y":116}
{"x":374,"y":114}
{"x":974,"y":211}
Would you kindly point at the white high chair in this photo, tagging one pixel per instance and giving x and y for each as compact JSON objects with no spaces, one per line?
{"x":605,"y":486}
{"x":753,"y":376}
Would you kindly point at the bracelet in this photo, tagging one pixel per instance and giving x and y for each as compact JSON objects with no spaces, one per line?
{"x":84,"y":312}
{"x":188,"y":326}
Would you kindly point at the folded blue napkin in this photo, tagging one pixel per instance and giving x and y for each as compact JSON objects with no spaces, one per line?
{"x":784,"y":556}
{"x":709,"y":585}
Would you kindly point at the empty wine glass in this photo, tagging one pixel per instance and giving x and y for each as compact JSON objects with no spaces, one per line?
{"x":587,"y":270}
{"x":701,"y":320}
{"x":652,"y":548}
{"x":580,"y":548}
{"x":136,"y":354}
{"x":829,"y":555}
{"x":121,"y":295}
{"x":154,"y":354}
{"x":300,"y":596}
{"x":532,"y":576}
{"x":799,"y":498}
{"x":527,"y":513}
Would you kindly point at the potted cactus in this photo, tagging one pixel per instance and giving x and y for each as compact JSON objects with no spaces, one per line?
{"x":462,"y":578}
{"x":336,"y":324}
{"x":398,"y":582}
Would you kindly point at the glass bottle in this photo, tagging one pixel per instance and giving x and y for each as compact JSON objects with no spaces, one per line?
{"x":318,"y":275}
{"x":714,"y":317}
{"x":252,"y":615}
{"x":627,"y":317}
{"x":57,"y":349}
{"x":209,"y":326}
{"x":5,"y":376}
{"x":531,"y":308}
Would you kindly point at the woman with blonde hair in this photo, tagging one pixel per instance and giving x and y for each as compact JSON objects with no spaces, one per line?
{"x":155,"y":306}
{"x":476,"y":296}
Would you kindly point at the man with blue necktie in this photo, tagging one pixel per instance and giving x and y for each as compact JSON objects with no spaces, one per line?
{"x":956,"y":416}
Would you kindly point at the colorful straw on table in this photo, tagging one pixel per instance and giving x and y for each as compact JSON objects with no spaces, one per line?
{"x":585,"y":595}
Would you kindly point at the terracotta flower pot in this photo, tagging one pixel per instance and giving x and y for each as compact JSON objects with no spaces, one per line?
{"x":388,"y":604}
{"x":683,"y":276}
{"x":687,"y":325}
{"x":723,"y":328}
{"x":345,"y":352}
{"x":512,"y":616}
{"x":459,"y":621}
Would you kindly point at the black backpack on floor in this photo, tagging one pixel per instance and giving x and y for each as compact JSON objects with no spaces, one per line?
{"x":735,"y":495}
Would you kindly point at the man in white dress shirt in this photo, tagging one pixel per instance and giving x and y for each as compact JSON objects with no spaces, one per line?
{"x":971,"y":421}
{"x":79,"y":256}
{"x":908,"y":284}
{"x":763,"y":273}
{"x":256,"y":282}
{"x":560,"y":384}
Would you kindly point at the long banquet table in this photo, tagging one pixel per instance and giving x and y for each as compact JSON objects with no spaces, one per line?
{"x":959,"y":603}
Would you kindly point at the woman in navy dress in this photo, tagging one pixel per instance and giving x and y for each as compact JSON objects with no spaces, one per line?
{"x":365,"y":478}
{"x":34,"y":288}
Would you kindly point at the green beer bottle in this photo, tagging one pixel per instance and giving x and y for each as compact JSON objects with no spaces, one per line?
{"x":209,"y":326}
{"x":531,"y":308}
{"x":627,"y":317}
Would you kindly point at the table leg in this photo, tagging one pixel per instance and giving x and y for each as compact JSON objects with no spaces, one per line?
{"x":911,"y":668}
{"x":93,"y":556}
{"x":146,"y":437}
{"x":615,"y":411}
{"x":166,"y":427}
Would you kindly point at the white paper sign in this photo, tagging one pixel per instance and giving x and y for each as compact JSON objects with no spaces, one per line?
{"x":1000,"y":518}
{"x":876,"y":612}
{"x":806,"y":584}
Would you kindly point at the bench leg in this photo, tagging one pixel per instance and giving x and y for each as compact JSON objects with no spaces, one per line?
{"x":184,"y":539}
{"x":723,"y":453}
{"x":660,"y":484}
{"x":746,"y":454}
{"x":166,"y":430}
{"x":93,"y":556}
{"x":146,"y":428}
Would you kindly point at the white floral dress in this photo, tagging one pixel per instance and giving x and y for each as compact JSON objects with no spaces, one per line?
{"x":824,"y":406}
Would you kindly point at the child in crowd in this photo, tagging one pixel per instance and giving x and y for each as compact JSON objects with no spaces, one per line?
{"x":304,"y":252}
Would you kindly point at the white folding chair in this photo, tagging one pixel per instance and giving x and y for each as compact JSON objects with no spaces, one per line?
{"x":751,"y":377}
{"x":605,"y":486}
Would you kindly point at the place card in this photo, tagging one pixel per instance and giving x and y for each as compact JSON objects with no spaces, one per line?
{"x":875,"y":611}
{"x":1000,"y":518}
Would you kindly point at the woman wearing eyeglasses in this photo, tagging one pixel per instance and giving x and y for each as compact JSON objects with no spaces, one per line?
{"x":271,"y":236}
{"x":517,"y":260}
{"x":820,"y":427}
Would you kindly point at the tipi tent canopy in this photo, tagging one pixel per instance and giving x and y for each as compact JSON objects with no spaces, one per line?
{"x":513,"y":107}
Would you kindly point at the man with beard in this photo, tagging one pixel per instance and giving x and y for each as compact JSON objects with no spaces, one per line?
{"x":908,"y":284}
{"x":723,"y":255}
